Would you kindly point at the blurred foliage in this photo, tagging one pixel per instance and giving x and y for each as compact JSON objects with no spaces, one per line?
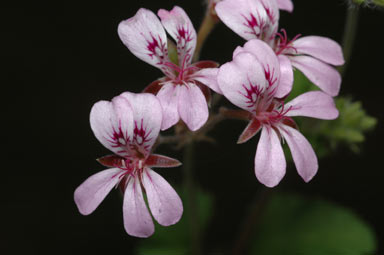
{"x":295,"y":225}
{"x":174,"y":240}
{"x":369,"y":3}
{"x":327,"y":135}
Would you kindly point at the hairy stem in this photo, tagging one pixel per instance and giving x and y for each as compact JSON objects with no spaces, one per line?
{"x":191,"y":205}
{"x":349,"y":36}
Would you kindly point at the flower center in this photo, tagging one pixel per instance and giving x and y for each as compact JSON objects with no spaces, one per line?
{"x":282,"y":43}
{"x":274,"y":114}
{"x":181,"y":72}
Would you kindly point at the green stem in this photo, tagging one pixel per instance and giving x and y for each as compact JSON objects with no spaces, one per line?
{"x":350,"y":30}
{"x":191,"y":203}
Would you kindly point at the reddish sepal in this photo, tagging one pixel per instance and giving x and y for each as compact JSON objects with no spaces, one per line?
{"x":154,"y":86}
{"x":155,"y":160}
{"x":290,"y":122}
{"x":250,"y":131}
{"x":111,"y":161}
{"x":206,"y":64}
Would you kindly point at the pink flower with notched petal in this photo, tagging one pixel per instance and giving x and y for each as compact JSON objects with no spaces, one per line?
{"x":253,"y":83}
{"x":313,"y":55}
{"x":129,"y":126}
{"x":182,"y":91}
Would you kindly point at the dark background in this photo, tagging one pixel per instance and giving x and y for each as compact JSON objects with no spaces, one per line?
{"x":62,"y":59}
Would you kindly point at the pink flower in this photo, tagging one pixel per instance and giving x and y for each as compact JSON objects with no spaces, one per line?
{"x":181,"y":92}
{"x":252,"y":82}
{"x":129,"y":126}
{"x":312,"y":55}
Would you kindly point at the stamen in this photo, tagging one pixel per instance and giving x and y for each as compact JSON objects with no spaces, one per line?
{"x":173,"y":66}
{"x":284,"y":44}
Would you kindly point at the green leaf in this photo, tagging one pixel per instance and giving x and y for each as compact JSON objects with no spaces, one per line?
{"x":175,"y":239}
{"x":295,"y":225}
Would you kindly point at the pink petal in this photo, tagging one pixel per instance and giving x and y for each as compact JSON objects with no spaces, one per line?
{"x":302,"y":152}
{"x":250,"y":131}
{"x":155,"y":160}
{"x":267,"y":58}
{"x":166,"y":206}
{"x":323,"y":75}
{"x":286,"y":77}
{"x":242,"y":80}
{"x":93,"y":190}
{"x":208,"y":77}
{"x":193,"y":108}
{"x":112,"y":124}
{"x":169,"y":97}
{"x":315,"y":104}
{"x":137,"y":220}
{"x":147,"y":118}
{"x":322,"y":48}
{"x":270,"y":162}
{"x":285,"y":5}
{"x":249,"y":19}
{"x":145,"y":37}
{"x":179,"y":26}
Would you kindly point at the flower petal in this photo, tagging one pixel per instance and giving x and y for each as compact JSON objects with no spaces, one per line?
{"x":315,"y":104}
{"x":193,"y":108}
{"x":267,"y":58}
{"x":147,"y":118}
{"x":155,"y":160}
{"x":270,"y":162}
{"x":249,"y":19}
{"x":112,"y":124}
{"x":302,"y":152}
{"x":93,"y":190}
{"x":137,"y":220}
{"x":322,"y":48}
{"x":179,"y":26}
{"x":208,"y":77}
{"x":285,"y":5}
{"x":169,"y":97}
{"x":166,"y":206}
{"x":242,"y":80}
{"x":323,"y":75}
{"x":145,"y":37}
{"x":286,"y":77}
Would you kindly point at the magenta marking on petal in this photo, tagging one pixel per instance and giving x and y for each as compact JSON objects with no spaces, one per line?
{"x":253,"y":90}
{"x":270,"y":75}
{"x":184,"y":34}
{"x":154,"y":45}
{"x":140,"y":139}
{"x":253,"y":23}
{"x":270,"y":14}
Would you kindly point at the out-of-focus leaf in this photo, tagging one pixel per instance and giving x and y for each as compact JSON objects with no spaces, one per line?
{"x":301,"y":85}
{"x":294,"y":225}
{"x":348,"y":129}
{"x":174,"y":240}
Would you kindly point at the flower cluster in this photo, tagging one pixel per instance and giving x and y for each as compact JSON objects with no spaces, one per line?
{"x":257,"y":80}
